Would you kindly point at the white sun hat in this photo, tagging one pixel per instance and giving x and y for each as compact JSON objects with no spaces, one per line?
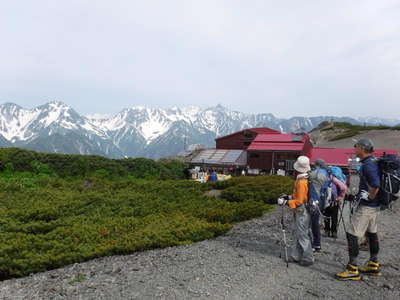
{"x":302,"y":164}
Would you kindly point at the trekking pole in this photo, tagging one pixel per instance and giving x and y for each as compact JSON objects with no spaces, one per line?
{"x":341,"y":218}
{"x":283,"y":240}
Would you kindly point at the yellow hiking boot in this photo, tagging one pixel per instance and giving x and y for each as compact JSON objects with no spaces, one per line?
{"x":351,"y":273}
{"x":372,"y":268}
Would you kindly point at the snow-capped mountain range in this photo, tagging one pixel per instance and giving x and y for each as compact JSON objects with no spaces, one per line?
{"x":138,"y":131}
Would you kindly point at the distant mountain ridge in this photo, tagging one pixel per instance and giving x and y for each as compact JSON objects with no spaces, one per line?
{"x":139,"y":131}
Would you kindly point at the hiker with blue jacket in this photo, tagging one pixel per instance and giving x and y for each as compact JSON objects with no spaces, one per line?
{"x":363,"y":215}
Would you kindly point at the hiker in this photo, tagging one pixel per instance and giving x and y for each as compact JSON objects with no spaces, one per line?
{"x":319,"y":179}
{"x":363,"y":216}
{"x":213,"y":176}
{"x":339,"y":190}
{"x":301,"y":252}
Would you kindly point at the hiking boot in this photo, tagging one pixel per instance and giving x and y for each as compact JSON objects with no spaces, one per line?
{"x":372,"y":268}
{"x":334,"y":235}
{"x":351,"y":273}
{"x":305,"y":263}
{"x":316,"y":249}
{"x":292,"y":260}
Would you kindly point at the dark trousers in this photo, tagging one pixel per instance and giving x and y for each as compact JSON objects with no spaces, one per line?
{"x":316,"y":231}
{"x":332,"y":221}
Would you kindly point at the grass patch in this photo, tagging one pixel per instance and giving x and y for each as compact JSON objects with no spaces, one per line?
{"x":77,"y":278}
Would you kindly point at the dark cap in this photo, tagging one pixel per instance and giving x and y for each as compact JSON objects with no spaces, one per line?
{"x":365,"y":144}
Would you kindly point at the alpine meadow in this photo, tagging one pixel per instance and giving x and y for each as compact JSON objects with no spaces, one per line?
{"x":61,"y":209}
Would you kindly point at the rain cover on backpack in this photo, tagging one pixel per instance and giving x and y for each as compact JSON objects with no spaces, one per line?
{"x":338,"y":173}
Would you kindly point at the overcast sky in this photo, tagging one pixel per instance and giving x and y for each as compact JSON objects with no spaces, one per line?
{"x":284,"y":57}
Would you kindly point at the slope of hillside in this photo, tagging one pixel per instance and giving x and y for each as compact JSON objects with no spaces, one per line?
{"x":327,"y":135}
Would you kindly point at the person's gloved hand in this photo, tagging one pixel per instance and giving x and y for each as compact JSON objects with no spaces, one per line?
{"x":364,"y":195}
{"x":282,"y":201}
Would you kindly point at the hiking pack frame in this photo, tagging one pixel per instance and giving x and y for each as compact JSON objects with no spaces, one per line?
{"x":388,"y":186}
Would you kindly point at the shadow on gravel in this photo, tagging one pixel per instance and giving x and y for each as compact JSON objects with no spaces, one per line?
{"x":263,"y":244}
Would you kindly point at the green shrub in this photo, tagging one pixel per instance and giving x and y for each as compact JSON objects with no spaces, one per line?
{"x":40,"y":168}
{"x":47,"y":222}
{"x":72,"y":165}
{"x":262,"y":188}
{"x":9,"y":168}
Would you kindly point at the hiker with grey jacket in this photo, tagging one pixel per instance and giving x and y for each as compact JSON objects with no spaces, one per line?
{"x":319,"y":179}
{"x":301,"y":252}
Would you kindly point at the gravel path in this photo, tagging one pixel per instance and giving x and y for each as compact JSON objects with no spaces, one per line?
{"x":243,"y":264}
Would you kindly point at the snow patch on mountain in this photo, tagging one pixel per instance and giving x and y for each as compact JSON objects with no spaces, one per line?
{"x":14,"y":122}
{"x":94,"y":117}
{"x":156,"y":124}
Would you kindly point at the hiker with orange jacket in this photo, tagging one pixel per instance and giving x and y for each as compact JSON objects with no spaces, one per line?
{"x":302,"y":251}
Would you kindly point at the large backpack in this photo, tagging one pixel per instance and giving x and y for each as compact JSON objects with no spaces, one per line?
{"x":389,"y":191}
{"x":325,"y":193}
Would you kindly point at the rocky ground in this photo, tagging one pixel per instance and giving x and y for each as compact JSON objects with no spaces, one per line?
{"x":242,"y":264}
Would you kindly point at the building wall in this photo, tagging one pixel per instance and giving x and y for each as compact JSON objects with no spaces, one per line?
{"x":241,"y":141}
{"x":263,"y":160}
{"x":281,"y":159}
{"x":259,"y":160}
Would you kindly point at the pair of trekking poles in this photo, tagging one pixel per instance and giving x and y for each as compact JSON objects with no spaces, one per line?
{"x":283,"y":242}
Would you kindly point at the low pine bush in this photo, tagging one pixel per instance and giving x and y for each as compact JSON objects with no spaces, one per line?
{"x":47,"y":222}
{"x":261,"y":188}
{"x":74,"y":165}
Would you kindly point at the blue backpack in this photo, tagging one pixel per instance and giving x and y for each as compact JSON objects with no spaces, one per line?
{"x":337,"y":172}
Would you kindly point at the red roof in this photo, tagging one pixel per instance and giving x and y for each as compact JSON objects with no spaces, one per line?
{"x":261,"y":130}
{"x":283,"y":137}
{"x":276,"y":146}
{"x":380,"y":152}
{"x":340,"y":156}
{"x":332,"y":156}
{"x":278,"y":142}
